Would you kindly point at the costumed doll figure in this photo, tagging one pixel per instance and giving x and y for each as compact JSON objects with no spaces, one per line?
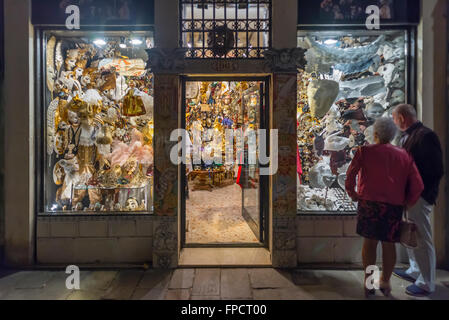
{"x":65,"y":173}
{"x":82,"y":136}
{"x":132,"y":102}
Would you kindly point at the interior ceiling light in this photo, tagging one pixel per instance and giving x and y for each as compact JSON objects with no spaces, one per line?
{"x":136,"y":42}
{"x":99,"y":42}
{"x":330,"y":42}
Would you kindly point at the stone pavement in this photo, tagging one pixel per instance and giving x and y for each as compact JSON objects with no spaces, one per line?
{"x":201,"y":284}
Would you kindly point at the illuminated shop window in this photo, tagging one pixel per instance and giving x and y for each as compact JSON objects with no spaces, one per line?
{"x":225,"y":28}
{"x":351,"y":79}
{"x":98,"y":106}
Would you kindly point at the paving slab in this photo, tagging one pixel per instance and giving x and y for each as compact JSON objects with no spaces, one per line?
{"x":206,"y":298}
{"x":306,"y":278}
{"x":9,"y":280}
{"x":207,"y":282}
{"x":178,"y":294}
{"x":155,"y":279}
{"x":46,"y":288}
{"x":442,"y":275}
{"x":441,"y":293}
{"x":34,"y":280}
{"x":341,"y":278}
{"x":123,"y":286}
{"x":97,"y":280}
{"x":235,"y":284}
{"x":55,"y":288}
{"x":149,"y":294}
{"x":182,"y":279}
{"x":23,"y":294}
{"x":270,"y":278}
{"x":86,"y":295}
{"x":322,"y":293}
{"x":281,"y":294}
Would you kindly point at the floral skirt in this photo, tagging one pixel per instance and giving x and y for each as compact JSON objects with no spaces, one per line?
{"x":379,"y":221}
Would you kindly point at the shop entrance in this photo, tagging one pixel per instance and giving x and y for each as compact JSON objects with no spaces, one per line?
{"x":224,"y":197}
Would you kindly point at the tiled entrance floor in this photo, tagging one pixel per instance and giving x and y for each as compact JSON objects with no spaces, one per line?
{"x":216,"y":217}
{"x":202,"y":284}
{"x":195,"y":257}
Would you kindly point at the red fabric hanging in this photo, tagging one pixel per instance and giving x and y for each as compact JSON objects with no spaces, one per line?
{"x":239,"y":175}
{"x":298,"y":165}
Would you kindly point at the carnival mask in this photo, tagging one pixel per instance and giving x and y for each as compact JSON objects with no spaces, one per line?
{"x":60,"y":142}
{"x":85,"y":80}
{"x":398,"y":81}
{"x":374,"y":111}
{"x":320,"y":175}
{"x":387,"y":71}
{"x":73,"y":118}
{"x":322,"y":94}
{"x":70,"y":61}
{"x":397,"y":97}
{"x":78,"y":72}
{"x":335,"y":143}
{"x":132,"y":204}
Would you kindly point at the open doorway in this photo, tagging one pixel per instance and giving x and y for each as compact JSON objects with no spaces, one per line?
{"x":222,"y":191}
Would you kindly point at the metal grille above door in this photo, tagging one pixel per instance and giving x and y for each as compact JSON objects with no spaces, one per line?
{"x":233,"y":29}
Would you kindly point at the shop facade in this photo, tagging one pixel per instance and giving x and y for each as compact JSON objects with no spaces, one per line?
{"x":99,"y":180}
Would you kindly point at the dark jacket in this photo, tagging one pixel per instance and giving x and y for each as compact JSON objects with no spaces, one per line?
{"x":424,"y":146}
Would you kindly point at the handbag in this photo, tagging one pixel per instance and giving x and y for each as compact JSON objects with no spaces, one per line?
{"x":409,"y":233}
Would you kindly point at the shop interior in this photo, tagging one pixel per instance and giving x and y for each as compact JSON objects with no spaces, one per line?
{"x":350,"y":80}
{"x":99,"y":123}
{"x":221,"y":185}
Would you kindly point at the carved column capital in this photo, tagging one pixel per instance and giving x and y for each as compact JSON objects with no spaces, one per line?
{"x":285,"y":60}
{"x":166,"y":60}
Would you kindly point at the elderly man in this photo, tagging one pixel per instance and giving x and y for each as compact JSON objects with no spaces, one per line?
{"x":424,"y":146}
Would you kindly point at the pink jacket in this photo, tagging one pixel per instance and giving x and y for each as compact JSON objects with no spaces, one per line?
{"x":386,"y":174}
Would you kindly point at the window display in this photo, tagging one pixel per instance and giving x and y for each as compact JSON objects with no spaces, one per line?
{"x":99,"y":123}
{"x":349,"y":81}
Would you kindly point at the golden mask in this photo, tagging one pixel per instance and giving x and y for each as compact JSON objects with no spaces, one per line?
{"x":133,"y":105}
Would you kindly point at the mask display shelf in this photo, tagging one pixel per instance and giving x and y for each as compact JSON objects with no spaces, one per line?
{"x":350,"y":80}
{"x":212,"y":109}
{"x":99,"y":130}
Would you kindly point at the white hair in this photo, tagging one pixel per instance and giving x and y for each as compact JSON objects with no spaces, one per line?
{"x":385,"y":129}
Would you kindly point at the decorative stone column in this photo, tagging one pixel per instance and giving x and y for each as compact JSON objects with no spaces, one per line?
{"x":284,"y":64}
{"x":166,"y":64}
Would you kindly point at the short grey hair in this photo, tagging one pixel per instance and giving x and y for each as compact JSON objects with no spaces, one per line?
{"x":385,"y":129}
{"x":406,"y":110}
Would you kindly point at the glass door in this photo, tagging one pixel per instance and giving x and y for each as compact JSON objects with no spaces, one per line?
{"x":250,"y":179}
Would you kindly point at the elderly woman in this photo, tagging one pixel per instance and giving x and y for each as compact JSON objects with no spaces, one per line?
{"x":388,"y":183}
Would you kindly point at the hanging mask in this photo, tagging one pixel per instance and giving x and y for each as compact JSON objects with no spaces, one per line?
{"x":61,"y":142}
{"x":322,"y":94}
{"x":70,"y":61}
{"x":335,"y":143}
{"x":374,"y":111}
{"x":133,"y":105}
{"x":132,"y":204}
{"x":398,"y":82}
{"x":320,"y":175}
{"x":58,"y":174}
{"x":397,"y":97}
{"x":192,"y":90}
